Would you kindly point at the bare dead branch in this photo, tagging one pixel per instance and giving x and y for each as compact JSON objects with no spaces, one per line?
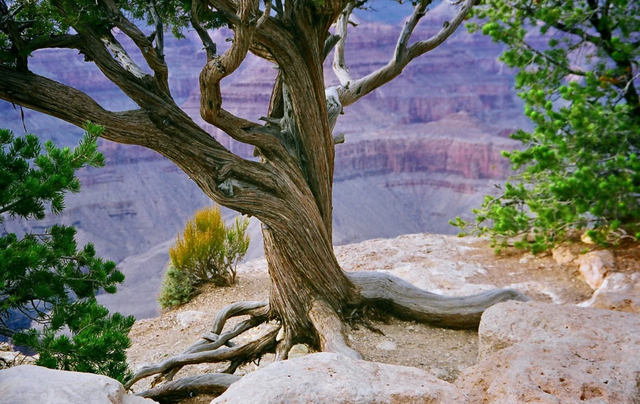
{"x":340,"y":67}
{"x":121,"y":54}
{"x":409,"y":302}
{"x":237,"y":309}
{"x":212,"y":340}
{"x":422,"y":47}
{"x":402,"y":54}
{"x":159,"y":29}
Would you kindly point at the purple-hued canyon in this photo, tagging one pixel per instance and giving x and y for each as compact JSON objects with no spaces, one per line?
{"x":418,"y":152}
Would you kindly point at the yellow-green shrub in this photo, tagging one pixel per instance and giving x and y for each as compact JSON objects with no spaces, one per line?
{"x":208,"y":250}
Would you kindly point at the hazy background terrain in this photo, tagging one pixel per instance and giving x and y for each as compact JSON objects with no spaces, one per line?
{"x":419,"y":151}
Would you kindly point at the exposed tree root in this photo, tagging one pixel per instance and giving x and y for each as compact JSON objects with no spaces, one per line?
{"x":209,"y":348}
{"x":409,"y":302}
{"x":248,"y":352}
{"x":210,"y":383}
{"x":330,"y":330}
{"x":377,"y":291}
{"x":212,"y":340}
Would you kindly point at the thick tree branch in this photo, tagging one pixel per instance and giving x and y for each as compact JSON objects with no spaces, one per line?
{"x":71,"y":105}
{"x":58,"y":41}
{"x":243,"y":185}
{"x":403,"y":54}
{"x":220,"y":67}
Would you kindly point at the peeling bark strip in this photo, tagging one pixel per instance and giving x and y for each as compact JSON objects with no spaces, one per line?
{"x":289,"y":190}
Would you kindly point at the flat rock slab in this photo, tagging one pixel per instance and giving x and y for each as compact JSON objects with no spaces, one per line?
{"x":543,"y":353}
{"x":332,"y":378}
{"x":29,"y":384}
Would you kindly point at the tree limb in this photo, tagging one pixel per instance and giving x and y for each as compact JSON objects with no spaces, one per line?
{"x":340,"y":67}
{"x":220,"y":67}
{"x":403,"y":54}
{"x":207,"y":42}
{"x":154,"y":56}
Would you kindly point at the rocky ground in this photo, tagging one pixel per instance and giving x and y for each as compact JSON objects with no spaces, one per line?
{"x":441,"y":264}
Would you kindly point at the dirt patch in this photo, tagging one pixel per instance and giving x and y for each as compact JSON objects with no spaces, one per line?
{"x":444,"y":353}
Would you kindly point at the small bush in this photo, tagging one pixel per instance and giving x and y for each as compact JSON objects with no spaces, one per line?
{"x":177,"y":288}
{"x":207,"y":251}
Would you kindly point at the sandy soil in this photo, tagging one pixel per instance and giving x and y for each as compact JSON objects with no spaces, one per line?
{"x":444,"y":353}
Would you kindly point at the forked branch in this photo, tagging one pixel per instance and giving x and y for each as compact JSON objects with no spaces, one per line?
{"x":153,"y":55}
{"x":220,"y":67}
{"x":403,"y":53}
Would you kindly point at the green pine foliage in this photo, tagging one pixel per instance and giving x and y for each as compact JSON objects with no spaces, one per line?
{"x":578,"y":65}
{"x":45,"y":276}
{"x":208,"y":251}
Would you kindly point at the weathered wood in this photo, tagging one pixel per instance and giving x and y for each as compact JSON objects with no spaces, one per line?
{"x":247,"y":352}
{"x":213,"y":340}
{"x":209,"y":383}
{"x":409,"y":302}
{"x":235,"y":310}
{"x":403,"y":54}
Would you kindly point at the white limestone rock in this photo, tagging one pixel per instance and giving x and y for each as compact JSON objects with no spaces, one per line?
{"x":544,"y":353}
{"x":595,"y":265}
{"x":37,"y":385}
{"x":332,"y":378}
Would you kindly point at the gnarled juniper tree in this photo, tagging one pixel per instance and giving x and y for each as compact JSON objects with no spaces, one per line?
{"x":44,"y":277}
{"x":289,"y":190}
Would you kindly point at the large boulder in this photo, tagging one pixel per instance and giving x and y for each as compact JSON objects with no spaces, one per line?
{"x":332,"y":378}
{"x":544,"y":353}
{"x":29,"y":384}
